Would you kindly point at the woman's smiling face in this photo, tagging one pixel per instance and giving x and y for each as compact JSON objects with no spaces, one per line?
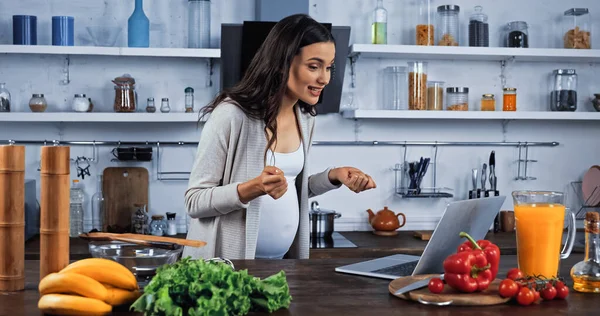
{"x":310,"y":72}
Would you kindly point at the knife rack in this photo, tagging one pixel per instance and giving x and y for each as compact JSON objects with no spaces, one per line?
{"x":402,"y":178}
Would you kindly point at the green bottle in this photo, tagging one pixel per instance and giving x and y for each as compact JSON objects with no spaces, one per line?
{"x":379,"y":26}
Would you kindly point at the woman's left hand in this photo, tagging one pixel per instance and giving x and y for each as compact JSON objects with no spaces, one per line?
{"x":353,"y":178}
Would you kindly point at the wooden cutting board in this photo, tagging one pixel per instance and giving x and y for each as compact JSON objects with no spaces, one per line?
{"x":123,"y":187}
{"x":487,"y":297}
{"x":423,"y":234}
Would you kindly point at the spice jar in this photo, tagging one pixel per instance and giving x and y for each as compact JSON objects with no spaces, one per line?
{"x":479,"y":30}
{"x":139,"y":220}
{"x":517,"y":35}
{"x":577,"y":29}
{"x":171,"y":224}
{"x":488,"y":102}
{"x":80,"y":103}
{"x":417,"y":85}
{"x":37,"y":103}
{"x":158,"y":226}
{"x":509,"y":99}
{"x":435,"y":95}
{"x":164,"y":106}
{"x":150,"y":108}
{"x":125,"y":100}
{"x":563,"y":96}
{"x":448,"y":25}
{"x":457,"y":99}
{"x":425,"y":30}
{"x":189,"y":100}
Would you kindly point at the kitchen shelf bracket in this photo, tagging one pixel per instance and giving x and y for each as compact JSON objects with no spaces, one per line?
{"x":353,"y":58}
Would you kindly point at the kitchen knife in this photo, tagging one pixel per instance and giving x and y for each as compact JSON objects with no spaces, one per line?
{"x":493,"y":171}
{"x":473,"y":193}
{"x":416,"y":285}
{"x":483,"y":178}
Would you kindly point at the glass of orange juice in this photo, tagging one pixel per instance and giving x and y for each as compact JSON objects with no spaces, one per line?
{"x":539,"y":219}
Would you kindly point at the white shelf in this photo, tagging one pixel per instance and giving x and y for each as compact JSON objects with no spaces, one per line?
{"x":111,"y":51}
{"x":99,"y":117}
{"x":471,"y":115}
{"x":475,"y":53}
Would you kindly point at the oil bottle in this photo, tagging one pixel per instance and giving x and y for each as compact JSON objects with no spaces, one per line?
{"x":586,"y":274}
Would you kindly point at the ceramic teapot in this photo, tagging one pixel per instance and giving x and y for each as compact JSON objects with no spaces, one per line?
{"x":385,"y":220}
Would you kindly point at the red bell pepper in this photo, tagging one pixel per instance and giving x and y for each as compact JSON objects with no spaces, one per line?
{"x":492,"y":252}
{"x":468,"y":271}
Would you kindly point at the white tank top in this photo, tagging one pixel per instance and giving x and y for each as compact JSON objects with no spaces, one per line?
{"x":279,"y":218}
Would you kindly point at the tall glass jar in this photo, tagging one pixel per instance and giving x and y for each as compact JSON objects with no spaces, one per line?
{"x":563,"y":96}
{"x":4,"y":98}
{"x":394,"y":92}
{"x":425,"y":31}
{"x":517,"y":34}
{"x":189,"y":100}
{"x":435,"y":95}
{"x":448,"y":25}
{"x":379,"y":25}
{"x":198,"y":23}
{"x":457,"y":99}
{"x":125,"y":99}
{"x":417,"y":85}
{"x":479,"y":29}
{"x":577,"y":29}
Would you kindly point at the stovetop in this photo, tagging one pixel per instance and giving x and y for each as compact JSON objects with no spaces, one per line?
{"x":335,"y":241}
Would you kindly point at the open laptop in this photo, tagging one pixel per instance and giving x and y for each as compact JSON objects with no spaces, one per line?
{"x":474,"y":217}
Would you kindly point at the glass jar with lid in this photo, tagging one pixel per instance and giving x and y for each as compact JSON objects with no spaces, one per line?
{"x":417,"y":85}
{"x":125,"y":98}
{"x":164,"y":105}
{"x":80,"y":103}
{"x":394,"y":92}
{"x":435,"y":95}
{"x":488,"y":102}
{"x":509,"y":99}
{"x":38,"y":103}
{"x":150,"y":107}
{"x":517,"y":34}
{"x":563,"y":96}
{"x":577,"y":29}
{"x":457,"y":99}
{"x":158,"y":225}
{"x":479,"y":30}
{"x":189,"y":100}
{"x":448,"y":25}
{"x":425,"y":31}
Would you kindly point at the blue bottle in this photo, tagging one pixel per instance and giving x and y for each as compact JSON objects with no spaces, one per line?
{"x":138,"y":27}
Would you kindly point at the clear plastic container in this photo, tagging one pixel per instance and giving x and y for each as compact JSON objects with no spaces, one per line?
{"x":425,"y":31}
{"x":76,"y":210}
{"x":435,"y":95}
{"x":379,"y":25}
{"x":395,"y":88}
{"x":577,"y":29}
{"x":417,"y":85}
{"x":457,"y":99}
{"x":479,"y":29}
{"x":517,"y":34}
{"x":198,"y":23}
{"x":448,"y":25}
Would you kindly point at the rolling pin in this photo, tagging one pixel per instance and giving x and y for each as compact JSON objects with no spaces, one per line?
{"x":54,"y":209}
{"x":12,"y":218}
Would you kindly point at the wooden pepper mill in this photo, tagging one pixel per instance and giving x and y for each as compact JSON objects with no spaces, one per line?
{"x":54,"y":205}
{"x":12,"y":218}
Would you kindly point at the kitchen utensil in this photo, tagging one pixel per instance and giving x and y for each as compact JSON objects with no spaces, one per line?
{"x":590,"y":186}
{"x":417,"y":285}
{"x":473,"y":193}
{"x":321,"y":221}
{"x":483,"y":178}
{"x":143,"y":239}
{"x":423,"y":169}
{"x":487,"y":297}
{"x":493,"y":171}
{"x":123,"y":188}
{"x":385,"y":222}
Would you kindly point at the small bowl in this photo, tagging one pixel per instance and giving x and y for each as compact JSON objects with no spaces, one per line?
{"x":105,"y":36}
{"x":142,"y":261}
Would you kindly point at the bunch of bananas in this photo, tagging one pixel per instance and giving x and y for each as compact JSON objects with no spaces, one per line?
{"x":87,"y":287}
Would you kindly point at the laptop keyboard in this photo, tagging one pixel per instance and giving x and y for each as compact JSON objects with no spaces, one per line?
{"x":403,"y":269}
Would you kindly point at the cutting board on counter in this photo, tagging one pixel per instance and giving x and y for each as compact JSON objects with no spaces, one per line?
{"x":487,"y":297}
{"x":123,"y":187}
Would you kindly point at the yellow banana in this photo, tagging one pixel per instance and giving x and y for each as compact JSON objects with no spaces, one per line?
{"x":118,"y":296}
{"x":72,"y":283}
{"x":61,"y":304}
{"x":104,"y":271}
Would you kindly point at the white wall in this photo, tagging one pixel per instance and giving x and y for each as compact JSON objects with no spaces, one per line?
{"x":168,"y":77}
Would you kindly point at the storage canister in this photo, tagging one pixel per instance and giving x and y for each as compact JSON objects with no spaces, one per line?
{"x":479,"y":33}
{"x":517,"y":34}
{"x":457,"y":99}
{"x":488,"y":102}
{"x":577,"y":29}
{"x":435,"y":95}
{"x":417,"y":85}
{"x":425,"y":30}
{"x":563,"y":96}
{"x":509,"y":99}
{"x":448,"y":25}
{"x":395,"y":85}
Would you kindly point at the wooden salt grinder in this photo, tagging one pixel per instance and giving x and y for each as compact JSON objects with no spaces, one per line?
{"x":12,"y":218}
{"x":54,"y":217}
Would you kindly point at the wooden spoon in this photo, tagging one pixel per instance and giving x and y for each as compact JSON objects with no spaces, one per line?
{"x":141,"y":239}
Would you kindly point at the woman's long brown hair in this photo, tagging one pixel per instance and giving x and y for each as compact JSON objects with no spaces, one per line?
{"x":260,"y":92}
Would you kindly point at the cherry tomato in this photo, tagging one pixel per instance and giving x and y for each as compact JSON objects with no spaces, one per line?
{"x":549,"y":293}
{"x":436,"y":285}
{"x":508,"y":288}
{"x":536,"y":296}
{"x":562,"y":292}
{"x":525,"y":296}
{"x":514,"y":274}
{"x":559,"y":284}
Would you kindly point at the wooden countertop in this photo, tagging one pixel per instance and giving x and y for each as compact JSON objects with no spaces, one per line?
{"x":368,"y":245}
{"x":317,"y":289}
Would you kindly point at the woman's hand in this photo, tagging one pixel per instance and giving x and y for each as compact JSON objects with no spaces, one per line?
{"x":271,"y":181}
{"x":353,"y":178}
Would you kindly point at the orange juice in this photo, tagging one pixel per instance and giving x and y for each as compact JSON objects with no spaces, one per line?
{"x":539,"y":236}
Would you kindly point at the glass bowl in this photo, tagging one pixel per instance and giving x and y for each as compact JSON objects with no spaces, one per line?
{"x":142,"y":261}
{"x":103,"y":35}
